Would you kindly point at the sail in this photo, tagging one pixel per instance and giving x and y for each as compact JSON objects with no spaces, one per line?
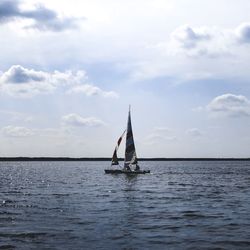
{"x":130,"y":154}
{"x":114,"y":157}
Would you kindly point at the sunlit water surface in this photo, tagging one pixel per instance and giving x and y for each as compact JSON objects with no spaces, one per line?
{"x":74,"y":205}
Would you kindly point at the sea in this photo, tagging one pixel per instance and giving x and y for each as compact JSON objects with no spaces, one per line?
{"x":75,"y":205}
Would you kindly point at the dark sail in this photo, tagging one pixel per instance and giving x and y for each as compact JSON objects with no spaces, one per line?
{"x":114,"y":157}
{"x":130,"y":154}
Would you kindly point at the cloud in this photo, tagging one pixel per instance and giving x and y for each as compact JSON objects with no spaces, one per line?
{"x":44,"y":19}
{"x":8,"y":10}
{"x":197,"y":53}
{"x":188,"y":37}
{"x":22,"y":82}
{"x":243,"y":33}
{"x":162,"y":130}
{"x":230,"y":105}
{"x":160,"y":135}
{"x":13,"y":131}
{"x":209,"y":41}
{"x":201,"y":42}
{"x":194,"y":132}
{"x":76,"y":120}
{"x":17,"y":74}
{"x":68,"y":121}
{"x":156,"y":138}
{"x":91,"y":90}
{"x":15,"y":116}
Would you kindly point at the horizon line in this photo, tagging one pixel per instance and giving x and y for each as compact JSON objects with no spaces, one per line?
{"x":54,"y":158}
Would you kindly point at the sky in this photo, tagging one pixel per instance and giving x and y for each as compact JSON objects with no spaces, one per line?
{"x":70,"y":69}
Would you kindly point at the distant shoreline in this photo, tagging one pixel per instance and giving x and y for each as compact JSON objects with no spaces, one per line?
{"x":109,"y":159}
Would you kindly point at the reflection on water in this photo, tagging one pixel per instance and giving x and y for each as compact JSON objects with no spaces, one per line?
{"x":74,"y":205}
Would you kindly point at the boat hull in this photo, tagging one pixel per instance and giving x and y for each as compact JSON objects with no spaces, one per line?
{"x":121,"y":171}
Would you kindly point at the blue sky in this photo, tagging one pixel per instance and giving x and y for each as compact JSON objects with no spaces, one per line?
{"x":70,"y":69}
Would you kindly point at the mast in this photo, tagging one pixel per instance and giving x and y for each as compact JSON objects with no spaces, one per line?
{"x":130,"y":154}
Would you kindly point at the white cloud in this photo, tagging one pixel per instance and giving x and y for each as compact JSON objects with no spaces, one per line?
{"x":76,"y":120}
{"x":157,"y":138}
{"x":91,"y":90}
{"x":41,"y":17}
{"x":206,"y":41}
{"x":16,"y":116}
{"x":194,"y":132}
{"x":188,"y":37}
{"x":20,"y":75}
{"x":22,"y":82}
{"x":209,"y":41}
{"x":17,"y":74}
{"x":162,"y":130}
{"x":160,"y":135}
{"x":197,"y":52}
{"x":15,"y":131}
{"x":230,"y":105}
{"x":62,"y":131}
{"x":242,"y":33}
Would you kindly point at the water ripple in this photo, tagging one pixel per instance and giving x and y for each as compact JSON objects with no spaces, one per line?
{"x":74,"y":205}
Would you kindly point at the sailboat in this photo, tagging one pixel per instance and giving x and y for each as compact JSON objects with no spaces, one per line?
{"x":131,"y":165}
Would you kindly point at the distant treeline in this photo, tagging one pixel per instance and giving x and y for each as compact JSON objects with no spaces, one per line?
{"x":121,"y":159}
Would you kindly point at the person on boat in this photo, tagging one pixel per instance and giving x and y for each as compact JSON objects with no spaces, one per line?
{"x":137,"y":168}
{"x":127,"y":167}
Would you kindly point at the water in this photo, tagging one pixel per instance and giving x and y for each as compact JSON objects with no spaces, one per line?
{"x":74,"y":205}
